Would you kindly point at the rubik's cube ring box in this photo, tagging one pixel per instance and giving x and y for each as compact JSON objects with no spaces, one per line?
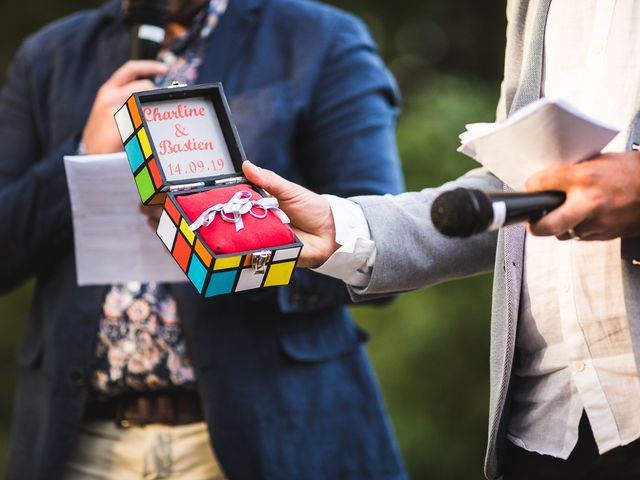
{"x":185,"y":154}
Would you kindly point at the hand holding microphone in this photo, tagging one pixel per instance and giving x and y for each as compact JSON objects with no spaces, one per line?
{"x":603,"y":198}
{"x":100,"y":134}
{"x":464,"y":212}
{"x":602,"y":202}
{"x":148,"y":19}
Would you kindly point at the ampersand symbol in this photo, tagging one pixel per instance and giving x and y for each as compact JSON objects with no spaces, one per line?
{"x":181,"y":131}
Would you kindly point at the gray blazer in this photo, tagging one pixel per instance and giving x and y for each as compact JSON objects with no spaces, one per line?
{"x":411,"y":254}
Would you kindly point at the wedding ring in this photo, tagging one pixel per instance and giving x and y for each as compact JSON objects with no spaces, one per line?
{"x":572,"y":233}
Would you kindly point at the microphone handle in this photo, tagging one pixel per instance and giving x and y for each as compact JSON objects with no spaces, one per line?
{"x":510,"y":208}
{"x":146,"y":41}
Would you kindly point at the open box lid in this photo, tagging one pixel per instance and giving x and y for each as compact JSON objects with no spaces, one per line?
{"x":179,"y":137}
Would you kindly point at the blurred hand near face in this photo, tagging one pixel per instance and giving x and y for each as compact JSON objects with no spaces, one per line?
{"x":100,"y":134}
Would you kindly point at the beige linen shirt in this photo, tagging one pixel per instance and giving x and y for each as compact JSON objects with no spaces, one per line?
{"x":574,"y":349}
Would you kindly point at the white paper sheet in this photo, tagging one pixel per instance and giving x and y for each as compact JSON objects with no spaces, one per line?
{"x":543,"y":134}
{"x":113,"y":241}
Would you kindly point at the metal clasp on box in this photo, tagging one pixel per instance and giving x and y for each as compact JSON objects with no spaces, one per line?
{"x":259,"y":261}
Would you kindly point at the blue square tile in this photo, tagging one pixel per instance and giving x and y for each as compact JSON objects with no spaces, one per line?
{"x":197,"y":273}
{"x":134,"y":153}
{"x":221,"y":283}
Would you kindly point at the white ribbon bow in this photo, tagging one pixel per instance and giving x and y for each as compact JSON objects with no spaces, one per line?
{"x":237,"y":206}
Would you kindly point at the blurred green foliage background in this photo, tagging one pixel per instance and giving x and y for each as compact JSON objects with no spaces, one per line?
{"x":430,"y":348}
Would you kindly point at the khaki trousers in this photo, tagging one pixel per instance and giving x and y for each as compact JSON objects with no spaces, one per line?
{"x":107,"y":452}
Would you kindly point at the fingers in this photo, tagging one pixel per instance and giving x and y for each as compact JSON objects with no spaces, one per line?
{"x":591,"y":188}
{"x":310,"y":214}
{"x":138,"y":86}
{"x":558,"y":222}
{"x":568,"y":214}
{"x":270,"y":181}
{"x":575,"y":210}
{"x":554,"y":178}
{"x":135,"y":69}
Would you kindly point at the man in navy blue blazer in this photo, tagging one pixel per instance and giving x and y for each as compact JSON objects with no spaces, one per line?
{"x":278,"y":379}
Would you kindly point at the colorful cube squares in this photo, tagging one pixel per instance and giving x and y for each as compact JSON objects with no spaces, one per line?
{"x":212,"y":274}
{"x":286,"y":254}
{"x":155,"y":174}
{"x":279,"y":274}
{"x":181,"y":252}
{"x":202,"y":252}
{"x":134,"y":154}
{"x":249,"y":279}
{"x":167,"y":230}
{"x":144,"y":143}
{"x":162,"y":181}
{"x":137,"y":145}
{"x":145,"y":186}
{"x":171,"y":209}
{"x":197,"y":273}
{"x":124,"y":123}
{"x":221,"y":283}
{"x":188,"y":234}
{"x":135,"y":113}
{"x":224,"y":263}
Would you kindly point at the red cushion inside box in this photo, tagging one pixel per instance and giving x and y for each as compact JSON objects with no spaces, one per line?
{"x":221,"y":236}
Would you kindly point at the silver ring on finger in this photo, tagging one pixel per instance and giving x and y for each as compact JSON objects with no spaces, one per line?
{"x":572,"y":233}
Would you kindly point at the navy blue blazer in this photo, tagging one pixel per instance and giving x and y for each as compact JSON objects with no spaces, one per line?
{"x":285,"y":384}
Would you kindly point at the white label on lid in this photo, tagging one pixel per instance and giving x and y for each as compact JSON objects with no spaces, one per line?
{"x":152,"y":33}
{"x":188,"y":139}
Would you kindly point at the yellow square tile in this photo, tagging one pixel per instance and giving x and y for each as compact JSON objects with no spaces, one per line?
{"x":279,"y":274}
{"x":228,"y":262}
{"x":188,"y":234}
{"x":144,"y":143}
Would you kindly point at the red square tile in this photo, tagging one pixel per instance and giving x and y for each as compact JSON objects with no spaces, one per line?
{"x":182,"y":252}
{"x":155,"y":174}
{"x":172,"y":211}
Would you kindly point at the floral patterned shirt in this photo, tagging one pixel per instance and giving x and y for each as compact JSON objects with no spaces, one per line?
{"x":140,"y":345}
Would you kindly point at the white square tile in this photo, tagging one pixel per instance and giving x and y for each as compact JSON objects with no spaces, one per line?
{"x":125,"y":126}
{"x":249,"y":280}
{"x":166,"y":230}
{"x":286,"y":254}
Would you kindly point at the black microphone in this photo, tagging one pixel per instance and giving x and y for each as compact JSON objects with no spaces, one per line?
{"x":148,"y":19}
{"x":464,"y":212}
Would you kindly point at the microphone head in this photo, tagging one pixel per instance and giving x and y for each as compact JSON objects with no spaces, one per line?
{"x":148,"y":12}
{"x":461,"y":212}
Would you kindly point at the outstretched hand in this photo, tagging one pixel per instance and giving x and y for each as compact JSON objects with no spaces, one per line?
{"x":310,"y":214}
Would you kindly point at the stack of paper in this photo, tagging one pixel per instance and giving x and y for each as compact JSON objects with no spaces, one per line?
{"x":542,"y":134}
{"x":113,"y":242}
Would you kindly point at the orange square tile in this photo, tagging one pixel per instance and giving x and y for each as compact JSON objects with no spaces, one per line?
{"x":202,"y":252}
{"x":133,"y":110}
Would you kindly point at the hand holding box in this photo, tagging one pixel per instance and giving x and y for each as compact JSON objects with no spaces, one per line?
{"x":186,"y":155}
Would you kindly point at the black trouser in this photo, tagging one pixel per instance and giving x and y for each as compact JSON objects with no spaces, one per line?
{"x":584,"y":463}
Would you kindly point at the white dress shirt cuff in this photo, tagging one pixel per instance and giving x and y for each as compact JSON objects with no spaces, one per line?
{"x":353,"y":261}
